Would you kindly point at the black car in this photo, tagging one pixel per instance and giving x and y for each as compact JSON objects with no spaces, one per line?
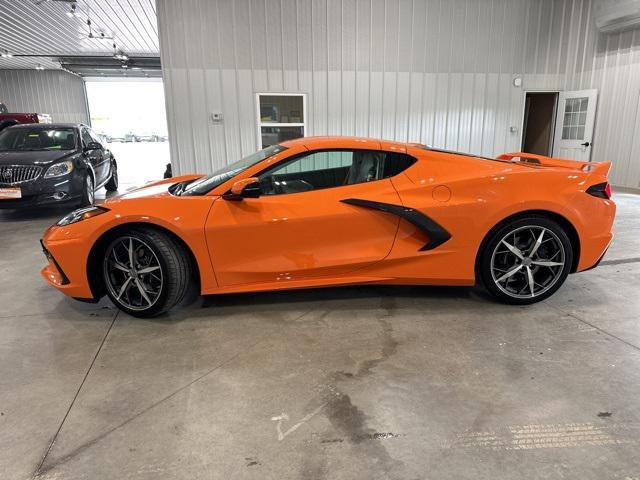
{"x":44,"y":164}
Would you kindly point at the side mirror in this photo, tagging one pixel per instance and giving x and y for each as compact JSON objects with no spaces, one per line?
{"x":245,"y":188}
{"x":92,"y":146}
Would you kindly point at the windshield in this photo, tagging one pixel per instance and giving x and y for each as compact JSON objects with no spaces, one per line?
{"x":206,"y":184}
{"x":28,"y":139}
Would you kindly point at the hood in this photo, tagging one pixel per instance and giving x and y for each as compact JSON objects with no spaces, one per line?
{"x":153,"y":189}
{"x":41,"y":157}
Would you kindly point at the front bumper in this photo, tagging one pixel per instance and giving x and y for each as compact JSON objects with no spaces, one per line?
{"x":53,"y":273}
{"x":46,"y":192}
{"x":66,"y":269}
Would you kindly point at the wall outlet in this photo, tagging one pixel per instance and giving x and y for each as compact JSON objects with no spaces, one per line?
{"x":216,"y":117}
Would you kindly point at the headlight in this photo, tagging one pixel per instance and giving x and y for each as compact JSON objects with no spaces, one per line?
{"x":59,"y":169}
{"x":81,"y":214}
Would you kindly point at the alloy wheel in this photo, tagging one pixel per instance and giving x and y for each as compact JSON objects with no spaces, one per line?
{"x":527,"y":261}
{"x":133,"y":273}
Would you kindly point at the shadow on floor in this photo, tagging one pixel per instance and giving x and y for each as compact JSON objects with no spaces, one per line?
{"x":284,"y":301}
{"x":36,"y":213}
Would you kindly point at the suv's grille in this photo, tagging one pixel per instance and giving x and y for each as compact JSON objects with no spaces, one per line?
{"x":12,"y":174}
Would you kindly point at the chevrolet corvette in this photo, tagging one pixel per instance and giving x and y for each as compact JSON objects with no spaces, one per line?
{"x":327,"y":211}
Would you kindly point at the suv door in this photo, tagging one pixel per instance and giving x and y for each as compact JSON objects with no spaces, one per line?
{"x":300,"y":227}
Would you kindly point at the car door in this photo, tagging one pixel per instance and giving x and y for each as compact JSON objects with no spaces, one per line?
{"x":105,"y":155}
{"x":301,"y":227}
{"x":94,"y":157}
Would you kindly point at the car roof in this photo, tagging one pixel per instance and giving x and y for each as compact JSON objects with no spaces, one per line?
{"x":48,"y":125}
{"x":343,"y":142}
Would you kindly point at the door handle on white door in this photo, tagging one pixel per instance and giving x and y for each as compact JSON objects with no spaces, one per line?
{"x":585,"y":144}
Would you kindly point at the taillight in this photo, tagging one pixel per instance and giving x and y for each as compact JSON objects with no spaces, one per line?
{"x":601,"y":190}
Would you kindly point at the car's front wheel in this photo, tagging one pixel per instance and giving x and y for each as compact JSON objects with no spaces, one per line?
{"x":112,"y":184}
{"x":146,"y":272}
{"x":87,"y":197}
{"x":526,"y":260}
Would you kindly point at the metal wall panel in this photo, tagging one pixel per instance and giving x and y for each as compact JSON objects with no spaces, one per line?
{"x":611,"y":64}
{"x":58,"y":93}
{"x":433,"y":71}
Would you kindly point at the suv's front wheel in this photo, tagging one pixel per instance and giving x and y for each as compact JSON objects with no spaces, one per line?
{"x":526,"y":260}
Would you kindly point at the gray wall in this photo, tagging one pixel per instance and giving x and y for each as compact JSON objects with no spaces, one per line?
{"x":58,"y":93}
{"x":611,"y":64}
{"x":433,"y":71}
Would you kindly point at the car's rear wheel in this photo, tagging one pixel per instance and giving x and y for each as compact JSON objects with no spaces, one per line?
{"x":145,"y":272}
{"x":526,"y":260}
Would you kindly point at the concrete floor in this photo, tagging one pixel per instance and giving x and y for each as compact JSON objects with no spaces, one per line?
{"x":352,"y":383}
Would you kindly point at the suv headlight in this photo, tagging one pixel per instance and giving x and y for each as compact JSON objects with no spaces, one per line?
{"x":81,"y":214}
{"x":59,"y":169}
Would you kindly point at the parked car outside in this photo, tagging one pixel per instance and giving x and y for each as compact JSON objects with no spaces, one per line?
{"x":53,"y":164}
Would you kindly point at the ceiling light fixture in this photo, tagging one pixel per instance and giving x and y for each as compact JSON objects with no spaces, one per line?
{"x":6,"y":54}
{"x":39,"y":67}
{"x":72,"y":12}
{"x":120,"y":55}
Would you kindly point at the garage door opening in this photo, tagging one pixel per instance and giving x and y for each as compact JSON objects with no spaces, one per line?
{"x":129,"y":114}
{"x":539,"y":121}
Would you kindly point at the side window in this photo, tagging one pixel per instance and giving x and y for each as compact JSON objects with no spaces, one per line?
{"x":323,"y":169}
{"x":395,"y":163}
{"x":86,"y":137}
{"x":332,"y":168}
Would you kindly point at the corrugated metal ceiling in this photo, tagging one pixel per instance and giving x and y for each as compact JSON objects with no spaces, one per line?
{"x":39,"y":32}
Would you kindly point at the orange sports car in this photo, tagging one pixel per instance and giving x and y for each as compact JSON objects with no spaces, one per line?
{"x":323,"y":211}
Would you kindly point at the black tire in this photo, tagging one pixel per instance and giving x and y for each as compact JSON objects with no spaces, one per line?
{"x":174,"y":273}
{"x":88,"y":195}
{"x":528,"y":269}
{"x":112,"y":184}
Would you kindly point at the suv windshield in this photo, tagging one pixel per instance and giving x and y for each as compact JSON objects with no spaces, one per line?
{"x":206,"y":184}
{"x":27,"y":139}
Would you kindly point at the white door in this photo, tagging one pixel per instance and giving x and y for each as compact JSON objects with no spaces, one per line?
{"x":574,"y":124}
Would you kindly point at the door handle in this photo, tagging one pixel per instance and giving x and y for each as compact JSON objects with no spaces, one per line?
{"x":585,"y":144}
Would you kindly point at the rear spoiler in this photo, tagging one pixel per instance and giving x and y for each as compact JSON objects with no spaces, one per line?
{"x":600,"y":168}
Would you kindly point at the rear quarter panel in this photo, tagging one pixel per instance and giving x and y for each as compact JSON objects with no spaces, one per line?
{"x":482,"y":193}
